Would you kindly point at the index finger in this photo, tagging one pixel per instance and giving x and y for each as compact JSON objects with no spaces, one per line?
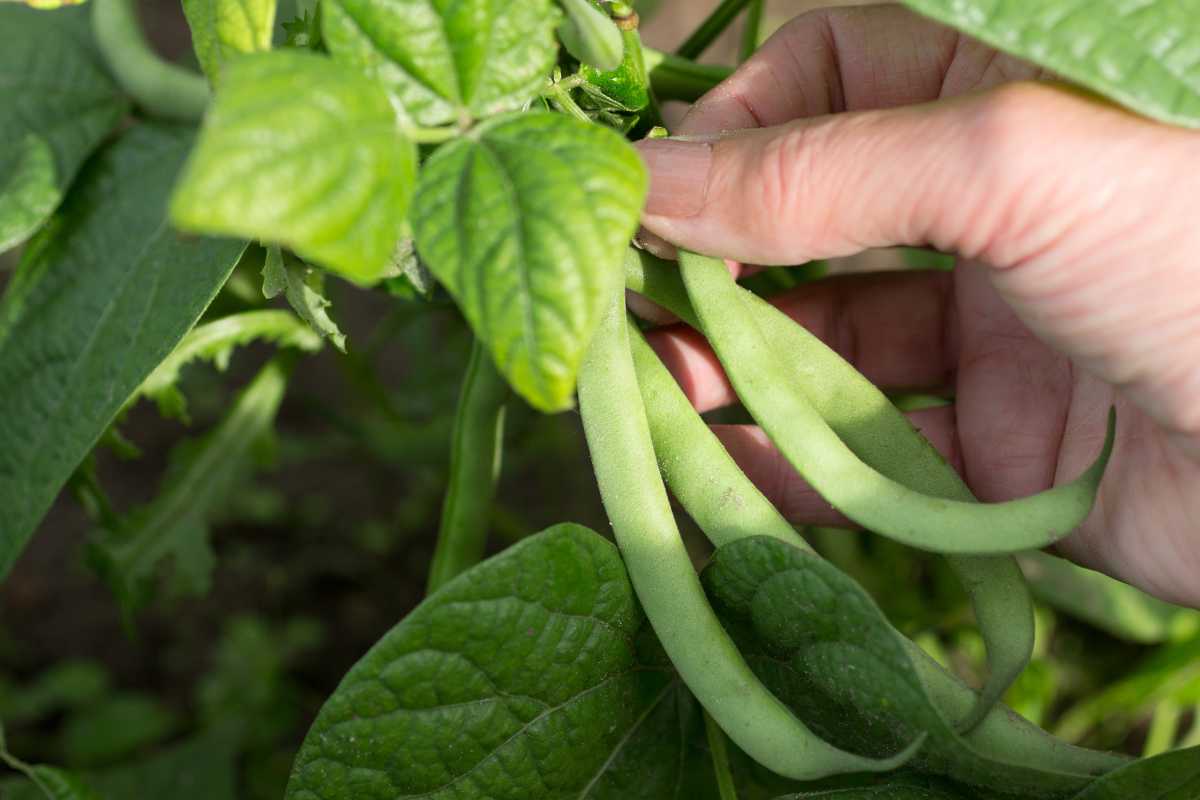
{"x":850,"y":59}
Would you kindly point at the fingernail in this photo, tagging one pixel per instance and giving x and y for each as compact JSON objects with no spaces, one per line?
{"x":678,"y":175}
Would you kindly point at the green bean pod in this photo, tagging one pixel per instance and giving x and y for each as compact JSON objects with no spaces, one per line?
{"x":862,"y":493}
{"x":999,"y":729}
{"x":475,"y":453}
{"x":667,"y":585}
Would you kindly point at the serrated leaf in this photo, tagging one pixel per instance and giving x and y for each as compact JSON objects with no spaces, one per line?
{"x":59,"y":104}
{"x":214,"y":342}
{"x":820,"y":642}
{"x":303,"y":152}
{"x":224,"y":29}
{"x":1170,"y":776}
{"x":303,"y":287}
{"x":99,"y":299}
{"x":444,"y":61}
{"x":525,"y":222}
{"x":521,"y":679}
{"x":174,"y":525}
{"x":1141,"y":53}
{"x":590,"y":35}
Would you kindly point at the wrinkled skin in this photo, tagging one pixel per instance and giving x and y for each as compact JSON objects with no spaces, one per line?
{"x":1078,"y":286}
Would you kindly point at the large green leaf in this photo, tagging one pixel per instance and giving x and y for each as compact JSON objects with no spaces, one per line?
{"x":202,"y":478}
{"x":99,"y":299}
{"x":447,"y":60}
{"x":524,"y":678}
{"x":301,"y":151}
{"x":525,"y":222}
{"x":58,"y":105}
{"x":224,"y":29}
{"x":1170,"y":776}
{"x":1142,"y":53}
{"x":821,"y":643}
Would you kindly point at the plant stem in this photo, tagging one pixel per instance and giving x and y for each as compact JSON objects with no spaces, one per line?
{"x":720,"y":758}
{"x":1163,"y":724}
{"x":711,"y":28}
{"x":675,"y":78}
{"x":560,"y":98}
{"x":162,"y":89}
{"x":17,"y":765}
{"x":752,"y":30}
{"x":475,"y":456}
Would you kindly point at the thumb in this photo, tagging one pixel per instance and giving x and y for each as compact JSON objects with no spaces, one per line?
{"x":1084,"y":212}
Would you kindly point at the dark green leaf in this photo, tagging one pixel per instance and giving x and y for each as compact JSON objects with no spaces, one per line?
{"x":825,"y":648}
{"x":1170,"y":776}
{"x":58,"y":784}
{"x":1139,"y":52}
{"x":303,"y":287}
{"x":525,"y":222}
{"x":303,"y":152}
{"x":115,"y":729}
{"x":58,"y":105}
{"x":447,"y":61}
{"x":224,"y":29}
{"x":201,"y":479}
{"x":99,"y":299}
{"x":522,"y":678}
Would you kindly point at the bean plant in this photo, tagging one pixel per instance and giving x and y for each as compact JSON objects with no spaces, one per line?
{"x":480,"y":151}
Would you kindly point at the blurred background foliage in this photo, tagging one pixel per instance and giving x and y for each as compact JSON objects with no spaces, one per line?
{"x":325,"y":541}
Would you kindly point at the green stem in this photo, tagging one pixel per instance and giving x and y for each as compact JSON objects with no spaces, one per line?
{"x":17,"y":765}
{"x":752,"y":30}
{"x":720,"y":758}
{"x":1163,"y":724}
{"x":432,"y":135}
{"x":614,"y":421}
{"x":475,"y":454}
{"x":711,"y":28}
{"x":162,"y":89}
{"x":561,"y":99}
{"x":675,"y":78}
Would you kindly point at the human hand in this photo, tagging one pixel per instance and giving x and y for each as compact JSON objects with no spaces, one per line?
{"x":1077,"y":225}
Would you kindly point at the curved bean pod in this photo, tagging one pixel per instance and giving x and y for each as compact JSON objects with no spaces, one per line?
{"x":666,"y":584}
{"x":862,"y":493}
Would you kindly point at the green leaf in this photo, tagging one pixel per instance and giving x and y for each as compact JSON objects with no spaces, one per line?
{"x":202,"y":477}
{"x":99,"y":299}
{"x":116,"y":728}
{"x":525,"y":221}
{"x":1140,"y":53}
{"x":590,"y":35}
{"x":58,"y":106}
{"x":1170,"y":776}
{"x":300,"y":151}
{"x":522,"y":678}
{"x":824,"y":647}
{"x":447,"y":61}
{"x":905,"y":788}
{"x":304,"y":289}
{"x":215,"y":341}
{"x":224,"y":29}
{"x":1108,"y":604}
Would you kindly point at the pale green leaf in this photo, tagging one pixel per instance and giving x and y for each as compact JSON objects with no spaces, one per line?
{"x":58,"y":105}
{"x":523,"y":678}
{"x":201,"y":479}
{"x":525,"y":222}
{"x":444,"y":61}
{"x":590,"y":35}
{"x":224,"y":29}
{"x":99,"y":299}
{"x":301,"y":151}
{"x":1142,"y":53}
{"x":303,"y":287}
{"x":214,"y":342}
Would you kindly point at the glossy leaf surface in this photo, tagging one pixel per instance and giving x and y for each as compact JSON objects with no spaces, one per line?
{"x":224,"y":29}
